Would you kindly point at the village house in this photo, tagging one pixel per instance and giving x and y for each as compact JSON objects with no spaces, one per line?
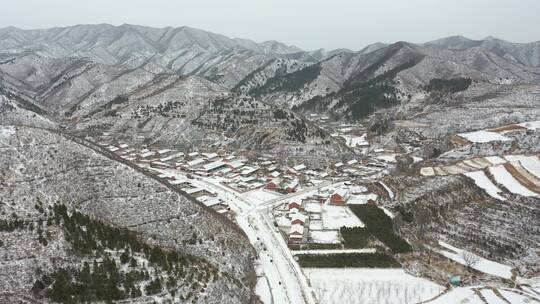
{"x":296,"y":234}
{"x":294,"y":205}
{"x":291,"y":187}
{"x":298,"y":219}
{"x":339,"y":197}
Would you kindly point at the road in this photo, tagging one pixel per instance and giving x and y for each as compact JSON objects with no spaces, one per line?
{"x":286,"y":280}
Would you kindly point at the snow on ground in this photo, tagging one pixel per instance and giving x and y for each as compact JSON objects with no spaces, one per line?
{"x":516,"y":298}
{"x":313,"y":207}
{"x":7,"y":131}
{"x":495,"y":160}
{"x":261,"y":195}
{"x":427,"y":171}
{"x":491,"y":297}
{"x":325,"y":236}
{"x":530,"y":163}
{"x":506,"y":179}
{"x":483,"y":136}
{"x":359,"y":199}
{"x":457,"y":296}
{"x":333,"y":251}
{"x":369,"y":286}
{"x":482,"y":181}
{"x":483,"y":265}
{"x":262,"y":289}
{"x":335,"y":217}
{"x":390,"y":193}
{"x":471,"y":163}
{"x":531,"y":125}
{"x":468,"y":295}
{"x":387,"y":212}
{"x":355,"y":141}
{"x":389,"y":158}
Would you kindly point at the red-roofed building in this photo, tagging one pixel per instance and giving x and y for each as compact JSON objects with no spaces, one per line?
{"x":294,"y":205}
{"x":337,"y":199}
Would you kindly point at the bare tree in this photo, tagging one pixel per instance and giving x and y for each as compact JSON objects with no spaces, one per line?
{"x":470,"y":259}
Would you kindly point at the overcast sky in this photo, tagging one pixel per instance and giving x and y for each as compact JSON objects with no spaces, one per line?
{"x":309,"y":24}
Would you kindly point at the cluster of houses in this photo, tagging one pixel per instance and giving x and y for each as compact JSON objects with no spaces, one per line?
{"x":299,"y":219}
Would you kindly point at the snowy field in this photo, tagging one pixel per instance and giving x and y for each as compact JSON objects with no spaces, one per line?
{"x":531,"y":125}
{"x":325,"y":236}
{"x":355,"y":141}
{"x":468,"y":295}
{"x":503,"y":177}
{"x":530,"y":163}
{"x":483,"y":265}
{"x":359,"y":199}
{"x":369,"y":286}
{"x":261,"y":195}
{"x":482,"y":181}
{"x":483,"y":136}
{"x":335,"y":217}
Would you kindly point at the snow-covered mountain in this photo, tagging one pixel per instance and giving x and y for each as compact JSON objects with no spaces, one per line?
{"x":183,"y":50}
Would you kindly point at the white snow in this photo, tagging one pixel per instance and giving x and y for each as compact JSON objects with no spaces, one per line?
{"x":458,"y":296}
{"x":506,"y":179}
{"x":7,"y":131}
{"x":483,"y":136}
{"x":262,"y":289}
{"x":491,"y":297}
{"x":530,"y":163}
{"x":387,"y":212}
{"x":355,"y":141}
{"x":495,"y":160}
{"x":313,"y":207}
{"x":531,"y":125}
{"x":482,"y":181}
{"x":261,"y":195}
{"x":334,"y":251}
{"x":335,"y":217}
{"x":467,"y":295}
{"x":369,"y":286}
{"x":483,"y":265}
{"x":389,"y":158}
{"x":359,"y":199}
{"x":390,"y":193}
{"x":325,"y":236}
{"x":427,"y":171}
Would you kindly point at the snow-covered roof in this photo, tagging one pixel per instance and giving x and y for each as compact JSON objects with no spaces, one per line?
{"x":212,"y":201}
{"x":299,"y":167}
{"x":147,"y":154}
{"x":298,"y":216}
{"x":248,"y":170}
{"x":236,"y":164}
{"x":195,"y":162}
{"x":293,"y":184}
{"x":213,"y":165}
{"x":352,"y":162}
{"x":173,"y":156}
{"x":297,"y":229}
{"x":210,"y":155}
{"x":275,"y":174}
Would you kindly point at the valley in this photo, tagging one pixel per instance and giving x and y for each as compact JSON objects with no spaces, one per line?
{"x":183,"y":166}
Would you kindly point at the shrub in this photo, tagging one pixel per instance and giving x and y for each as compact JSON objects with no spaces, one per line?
{"x":355,"y":237}
{"x":380,"y":225}
{"x":370,"y":260}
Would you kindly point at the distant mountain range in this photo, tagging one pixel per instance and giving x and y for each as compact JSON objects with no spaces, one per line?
{"x":164,"y":81}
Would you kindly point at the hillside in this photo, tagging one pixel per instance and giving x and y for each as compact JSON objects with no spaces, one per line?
{"x":44,"y":171}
